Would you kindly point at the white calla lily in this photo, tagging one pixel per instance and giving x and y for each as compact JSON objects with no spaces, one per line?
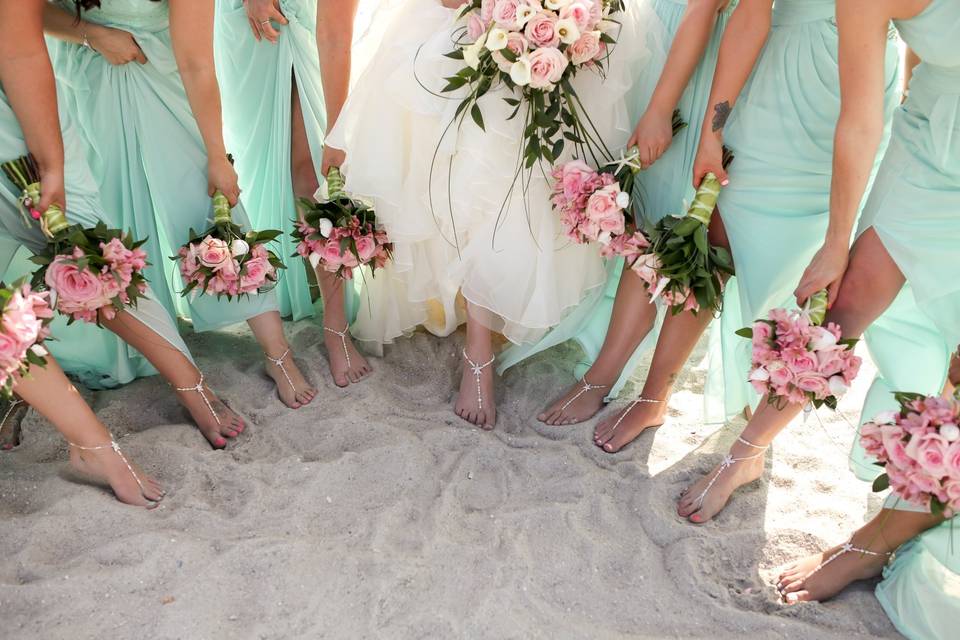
{"x":568,"y":31}
{"x":324,"y":227}
{"x":496,"y":39}
{"x":520,"y":71}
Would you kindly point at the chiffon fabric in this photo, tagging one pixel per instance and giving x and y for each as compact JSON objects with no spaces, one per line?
{"x":450,"y":235}
{"x":661,"y":190}
{"x":146,"y":152}
{"x":94,"y":356}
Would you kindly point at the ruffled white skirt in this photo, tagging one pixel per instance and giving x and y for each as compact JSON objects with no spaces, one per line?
{"x":443,"y":191}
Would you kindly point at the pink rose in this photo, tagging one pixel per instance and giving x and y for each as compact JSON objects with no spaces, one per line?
{"x":75,"y":287}
{"x":213,"y":252}
{"x":930,"y":451}
{"x":895,"y":449}
{"x":20,"y":320}
{"x":586,"y":48}
{"x":486,"y":11}
{"x":780,"y":373}
{"x":517,"y":44}
{"x":505,"y":14}
{"x":546,"y":67}
{"x":579,"y":12}
{"x":602,"y":208}
{"x":573,"y":176}
{"x":475,"y":26}
{"x":366,"y":248}
{"x":831,"y":362}
{"x":11,"y":352}
{"x":330,"y":255}
{"x":952,"y":490}
{"x":255,"y":272}
{"x":799,"y":360}
{"x":762,"y":332}
{"x":871,"y":439}
{"x":541,"y":30}
{"x":813,"y":382}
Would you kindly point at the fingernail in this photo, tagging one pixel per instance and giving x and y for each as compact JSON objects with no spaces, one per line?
{"x":792,"y":597}
{"x":724,"y":183}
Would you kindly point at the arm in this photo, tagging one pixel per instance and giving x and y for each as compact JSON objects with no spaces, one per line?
{"x":27,"y":79}
{"x":742,"y":42}
{"x":191,"y":29}
{"x":115,"y":45}
{"x":910,"y":61}
{"x":654,"y":131}
{"x":334,"y":40}
{"x":862,"y":25}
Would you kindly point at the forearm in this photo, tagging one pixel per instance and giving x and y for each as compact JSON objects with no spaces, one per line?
{"x":63,"y":25}
{"x":204,"y":97}
{"x":686,"y":51}
{"x":334,"y":40}
{"x":742,"y":43}
{"x":854,"y":148}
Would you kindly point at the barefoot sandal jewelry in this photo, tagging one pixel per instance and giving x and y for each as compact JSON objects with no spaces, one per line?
{"x":116,"y":448}
{"x":199,"y":389}
{"x":729,"y":461}
{"x":631,"y":407}
{"x":477,"y":370}
{"x":584,"y":388}
{"x":343,"y":340}
{"x":847,"y":547}
{"x":279,"y":362}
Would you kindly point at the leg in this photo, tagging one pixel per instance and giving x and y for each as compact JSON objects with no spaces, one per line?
{"x":632,"y":319}
{"x":347,"y":365}
{"x":217,"y":424}
{"x":871,"y":283}
{"x":12,"y":413}
{"x":677,"y":340}
{"x":48,"y":391}
{"x":824,"y":575}
{"x":476,"y":401}
{"x":292,"y":387}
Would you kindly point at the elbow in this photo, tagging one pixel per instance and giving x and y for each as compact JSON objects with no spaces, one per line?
{"x":703,"y":8}
{"x":862,"y":131}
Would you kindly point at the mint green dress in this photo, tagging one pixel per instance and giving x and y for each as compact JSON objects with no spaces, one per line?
{"x":661,"y":190}
{"x":914,"y":208}
{"x":94,"y":356}
{"x":257,"y":81}
{"x":776,"y":207}
{"x":146,"y":153}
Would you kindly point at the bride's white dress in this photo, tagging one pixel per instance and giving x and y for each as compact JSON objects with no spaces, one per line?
{"x":513,"y":264}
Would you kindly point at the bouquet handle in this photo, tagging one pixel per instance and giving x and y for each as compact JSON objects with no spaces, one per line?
{"x":701,"y":209}
{"x":816,"y":307}
{"x":335,"y":183}
{"x":221,"y":209}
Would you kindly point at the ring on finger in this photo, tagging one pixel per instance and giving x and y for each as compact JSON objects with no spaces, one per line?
{"x":264,"y":23}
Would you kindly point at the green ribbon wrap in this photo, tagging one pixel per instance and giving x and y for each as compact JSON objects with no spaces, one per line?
{"x":706,"y":199}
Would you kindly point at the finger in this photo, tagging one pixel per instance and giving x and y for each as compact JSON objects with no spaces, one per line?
{"x":634,"y":141}
{"x":277,"y":16}
{"x":254,"y":28}
{"x":140,"y":57}
{"x":269,"y":32}
{"x":646,"y":156}
{"x":833,"y":291}
{"x":722,"y":177}
{"x":211,"y":190}
{"x":804,"y":291}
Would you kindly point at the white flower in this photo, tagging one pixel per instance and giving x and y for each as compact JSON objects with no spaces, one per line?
{"x":496,"y":39}
{"x":838,"y":386}
{"x":556,"y":5}
{"x":568,"y":31}
{"x":623,"y":199}
{"x":238,"y":248}
{"x":524,"y":13}
{"x":39,"y":350}
{"x":324,"y":227}
{"x":759,"y":374}
{"x":606,"y":25}
{"x":822,"y":339}
{"x":471,"y":53}
{"x":520,"y":71}
{"x":314,"y":260}
{"x":950,"y":432}
{"x":604,"y":238}
{"x":886,"y":417}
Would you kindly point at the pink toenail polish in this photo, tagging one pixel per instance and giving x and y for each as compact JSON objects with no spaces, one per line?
{"x":695,"y":518}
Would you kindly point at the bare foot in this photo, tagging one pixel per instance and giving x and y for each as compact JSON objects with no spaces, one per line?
{"x":347,"y":364}
{"x":581,"y":402}
{"x":216,"y":421}
{"x":476,"y":401}
{"x":617,"y":431}
{"x":292,"y":388}
{"x":106,"y":464}
{"x":12,"y":413}
{"x":802,"y":581}
{"x":708,"y":496}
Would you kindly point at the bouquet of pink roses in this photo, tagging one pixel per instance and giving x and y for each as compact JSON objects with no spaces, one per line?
{"x":26,"y":314}
{"x":919,"y":448}
{"x":798,"y":360}
{"x":340,"y":233}
{"x":95,"y":271}
{"x":534,"y":49}
{"x":225,"y":261}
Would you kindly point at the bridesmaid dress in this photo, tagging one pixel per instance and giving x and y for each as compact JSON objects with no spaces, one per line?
{"x":94,"y":356}
{"x":914,"y":208}
{"x":257,"y":80}
{"x":145,"y":150}
{"x":661,"y":190}
{"x":776,"y":207}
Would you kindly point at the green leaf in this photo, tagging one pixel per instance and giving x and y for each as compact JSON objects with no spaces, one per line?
{"x":477,"y":116}
{"x":881,"y":483}
{"x":746,"y":332}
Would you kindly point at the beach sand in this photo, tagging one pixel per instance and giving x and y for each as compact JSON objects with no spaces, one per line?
{"x":376,"y":513}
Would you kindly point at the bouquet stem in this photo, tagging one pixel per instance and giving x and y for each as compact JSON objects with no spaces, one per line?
{"x":335,"y":183}
{"x":221,"y":209}
{"x":24,"y":173}
{"x":705,"y":201}
{"x":816,"y":308}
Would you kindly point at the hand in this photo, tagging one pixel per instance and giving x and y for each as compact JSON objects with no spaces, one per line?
{"x":453,"y":4}
{"x":709,"y":159}
{"x":331,"y":158}
{"x":52,"y":190}
{"x":116,"y":46}
{"x":222,"y":177}
{"x":824,"y":272}
{"x":652,"y":137}
{"x":261,"y":14}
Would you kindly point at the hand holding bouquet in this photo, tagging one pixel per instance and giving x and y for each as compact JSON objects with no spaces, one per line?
{"x":340,"y":233}
{"x":225,"y":261}
{"x":919,"y":448}
{"x":26,"y":314}
{"x":798,"y":360}
{"x":93,"y":271}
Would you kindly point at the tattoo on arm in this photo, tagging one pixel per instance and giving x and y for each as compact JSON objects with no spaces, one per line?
{"x":721,"y":111}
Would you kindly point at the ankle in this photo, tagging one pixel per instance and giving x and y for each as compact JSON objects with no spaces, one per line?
{"x":275,"y":353}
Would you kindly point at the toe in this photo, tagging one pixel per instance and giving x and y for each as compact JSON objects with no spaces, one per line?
{"x":798,"y":596}
{"x":218,"y":442}
{"x":341,"y":380}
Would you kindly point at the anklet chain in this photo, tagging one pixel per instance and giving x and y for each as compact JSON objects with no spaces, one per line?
{"x":729,"y":461}
{"x":343,"y":340}
{"x":199,"y":389}
{"x":633,"y":405}
{"x":477,"y":370}
{"x":584,"y":388}
{"x":846,"y":547}
{"x":283,"y":369}
{"x":116,"y":448}
{"x":16,"y":402}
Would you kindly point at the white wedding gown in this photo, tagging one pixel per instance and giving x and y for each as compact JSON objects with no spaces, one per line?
{"x":515,"y":266}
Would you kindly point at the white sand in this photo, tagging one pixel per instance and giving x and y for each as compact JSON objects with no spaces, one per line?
{"x":376,"y":513}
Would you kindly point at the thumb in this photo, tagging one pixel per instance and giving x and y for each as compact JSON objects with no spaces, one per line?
{"x":833,"y":292}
